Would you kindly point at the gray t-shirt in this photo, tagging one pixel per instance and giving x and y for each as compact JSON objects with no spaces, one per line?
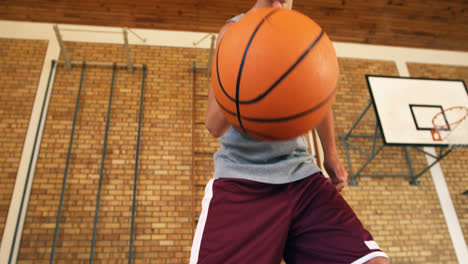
{"x":276,"y":162}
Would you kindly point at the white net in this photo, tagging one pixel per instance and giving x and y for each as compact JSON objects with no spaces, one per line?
{"x":451,"y":126}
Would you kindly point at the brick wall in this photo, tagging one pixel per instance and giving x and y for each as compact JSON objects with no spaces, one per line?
{"x":406,"y":220}
{"x":163,"y":213}
{"x":20,"y":67}
{"x":455,"y":166}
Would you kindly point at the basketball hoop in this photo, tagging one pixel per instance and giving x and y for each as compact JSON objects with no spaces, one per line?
{"x":451,"y":125}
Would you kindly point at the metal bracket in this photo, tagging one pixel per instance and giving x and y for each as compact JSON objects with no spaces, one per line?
{"x":63,"y":50}
{"x":210,"y":58}
{"x":212,"y":48}
{"x":68,"y":62}
{"x":375,"y":151}
{"x":127,"y":50}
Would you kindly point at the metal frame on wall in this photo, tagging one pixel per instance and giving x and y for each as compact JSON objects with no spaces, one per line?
{"x":375,"y":137}
{"x":378,"y":135}
{"x":17,"y":235}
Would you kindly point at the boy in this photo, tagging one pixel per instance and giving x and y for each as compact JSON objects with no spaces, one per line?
{"x":268,"y":200}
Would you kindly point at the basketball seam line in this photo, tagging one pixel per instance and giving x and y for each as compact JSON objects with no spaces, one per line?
{"x":217,"y":59}
{"x":237,"y":99}
{"x":239,"y":74}
{"x":260,"y":97}
{"x":280,"y":119}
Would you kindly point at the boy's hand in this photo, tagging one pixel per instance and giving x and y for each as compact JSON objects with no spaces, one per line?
{"x":336,"y":171}
{"x":276,"y":4}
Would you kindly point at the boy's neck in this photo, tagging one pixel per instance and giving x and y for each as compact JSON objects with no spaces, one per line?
{"x":261,"y":4}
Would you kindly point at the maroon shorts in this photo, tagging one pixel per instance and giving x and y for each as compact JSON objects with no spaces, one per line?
{"x":306,"y":221}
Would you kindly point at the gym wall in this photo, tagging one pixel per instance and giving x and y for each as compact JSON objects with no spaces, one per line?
{"x":21,"y":63}
{"x":454,"y":166}
{"x":407,"y":221}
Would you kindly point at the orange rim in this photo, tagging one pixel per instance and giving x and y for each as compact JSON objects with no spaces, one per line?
{"x":435,"y":130}
{"x":439,"y":127}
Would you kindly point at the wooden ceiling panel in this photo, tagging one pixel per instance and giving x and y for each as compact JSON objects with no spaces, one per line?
{"x":435,"y":24}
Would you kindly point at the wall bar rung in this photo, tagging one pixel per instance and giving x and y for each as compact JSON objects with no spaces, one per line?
{"x":67,"y":163}
{"x":101,"y":174}
{"x":94,"y":63}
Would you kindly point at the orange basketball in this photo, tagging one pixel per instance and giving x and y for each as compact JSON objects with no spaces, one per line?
{"x":274,"y":74}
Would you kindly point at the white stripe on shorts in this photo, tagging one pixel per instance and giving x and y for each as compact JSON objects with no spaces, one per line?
{"x":201,"y":222}
{"x":371,"y":244}
{"x":370,"y":256}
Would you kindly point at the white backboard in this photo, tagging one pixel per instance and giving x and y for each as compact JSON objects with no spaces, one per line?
{"x":405,"y":106}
